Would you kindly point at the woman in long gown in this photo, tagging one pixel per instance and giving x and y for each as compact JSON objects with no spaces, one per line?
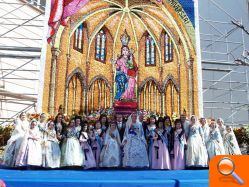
{"x":151,"y":139}
{"x":205,"y":129}
{"x":196,"y":154}
{"x":42,"y":127}
{"x":179,"y":146}
{"x":135,"y":153}
{"x":230,"y":142}
{"x":214,"y":143}
{"x":60,"y":127}
{"x":97,"y":139}
{"x":87,"y":150}
{"x":110,"y":154}
{"x":14,"y":143}
{"x":160,"y":152}
{"x":221,"y":127}
{"x":30,"y":153}
{"x":71,"y":152}
{"x":169,"y":131}
{"x":52,"y":152}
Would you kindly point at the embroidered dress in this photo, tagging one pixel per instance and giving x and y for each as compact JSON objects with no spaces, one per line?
{"x":87,"y":150}
{"x":30,"y":153}
{"x":110,"y":154}
{"x":42,"y":127}
{"x":52,"y":152}
{"x":135,"y":153}
{"x":150,"y":134}
{"x":230,"y":144}
{"x":160,"y":152}
{"x":14,"y":143}
{"x":215,"y":144}
{"x":222,"y":129}
{"x":71,"y":152}
{"x":179,"y":153}
{"x":205,"y":130}
{"x":97,"y":144}
{"x":196,"y":154}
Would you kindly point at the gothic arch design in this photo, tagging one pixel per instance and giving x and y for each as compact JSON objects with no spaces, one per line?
{"x":150,"y":95}
{"x":167,"y":80}
{"x":77,"y":71}
{"x":149,"y":79}
{"x":99,"y":77}
{"x":99,"y":94}
{"x":75,"y":89}
{"x":171,"y":96}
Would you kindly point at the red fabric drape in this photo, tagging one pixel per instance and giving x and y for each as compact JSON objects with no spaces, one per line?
{"x":60,"y":11}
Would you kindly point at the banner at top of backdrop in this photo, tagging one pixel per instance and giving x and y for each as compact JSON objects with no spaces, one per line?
{"x":60,"y":11}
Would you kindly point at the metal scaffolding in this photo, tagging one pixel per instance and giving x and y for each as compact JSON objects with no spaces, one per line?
{"x":224,"y":44}
{"x":21,"y":33}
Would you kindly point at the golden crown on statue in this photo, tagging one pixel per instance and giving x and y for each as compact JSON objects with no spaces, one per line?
{"x":125,"y":38}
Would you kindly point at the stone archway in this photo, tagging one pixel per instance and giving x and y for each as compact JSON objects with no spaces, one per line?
{"x":99,"y":94}
{"x":150,"y":95}
{"x":171,"y":96}
{"x":75,"y":89}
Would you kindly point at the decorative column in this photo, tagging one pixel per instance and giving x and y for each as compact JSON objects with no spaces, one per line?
{"x":163,"y":103}
{"x":113,"y":84}
{"x":52,"y":85}
{"x":161,"y":92}
{"x":86,"y":89}
{"x":84,"y":99}
{"x":191,"y":86}
{"x":179,"y":91}
{"x":111,"y":99}
{"x":67,"y":85}
{"x":139,"y":100}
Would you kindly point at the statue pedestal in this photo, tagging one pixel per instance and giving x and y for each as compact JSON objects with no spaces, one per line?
{"x":125,"y":107}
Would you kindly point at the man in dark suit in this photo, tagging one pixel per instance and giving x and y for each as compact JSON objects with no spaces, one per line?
{"x":120,"y":126}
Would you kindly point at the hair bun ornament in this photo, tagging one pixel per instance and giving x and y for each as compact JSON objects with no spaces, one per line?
{"x":51,"y":118}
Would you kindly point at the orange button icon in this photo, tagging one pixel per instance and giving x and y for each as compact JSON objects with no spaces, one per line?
{"x":226,"y":167}
{"x":229,"y":171}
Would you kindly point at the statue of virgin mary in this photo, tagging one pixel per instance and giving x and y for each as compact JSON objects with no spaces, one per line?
{"x":126,"y":72}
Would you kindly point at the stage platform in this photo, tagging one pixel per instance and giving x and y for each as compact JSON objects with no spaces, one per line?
{"x":104,"y":178}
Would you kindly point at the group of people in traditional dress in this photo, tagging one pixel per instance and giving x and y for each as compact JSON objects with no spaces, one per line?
{"x":136,"y":142}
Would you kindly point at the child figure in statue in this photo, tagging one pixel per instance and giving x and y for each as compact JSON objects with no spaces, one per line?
{"x":126,"y":71}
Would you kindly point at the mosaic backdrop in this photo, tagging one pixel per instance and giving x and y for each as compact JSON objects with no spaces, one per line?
{"x":124,"y":54}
